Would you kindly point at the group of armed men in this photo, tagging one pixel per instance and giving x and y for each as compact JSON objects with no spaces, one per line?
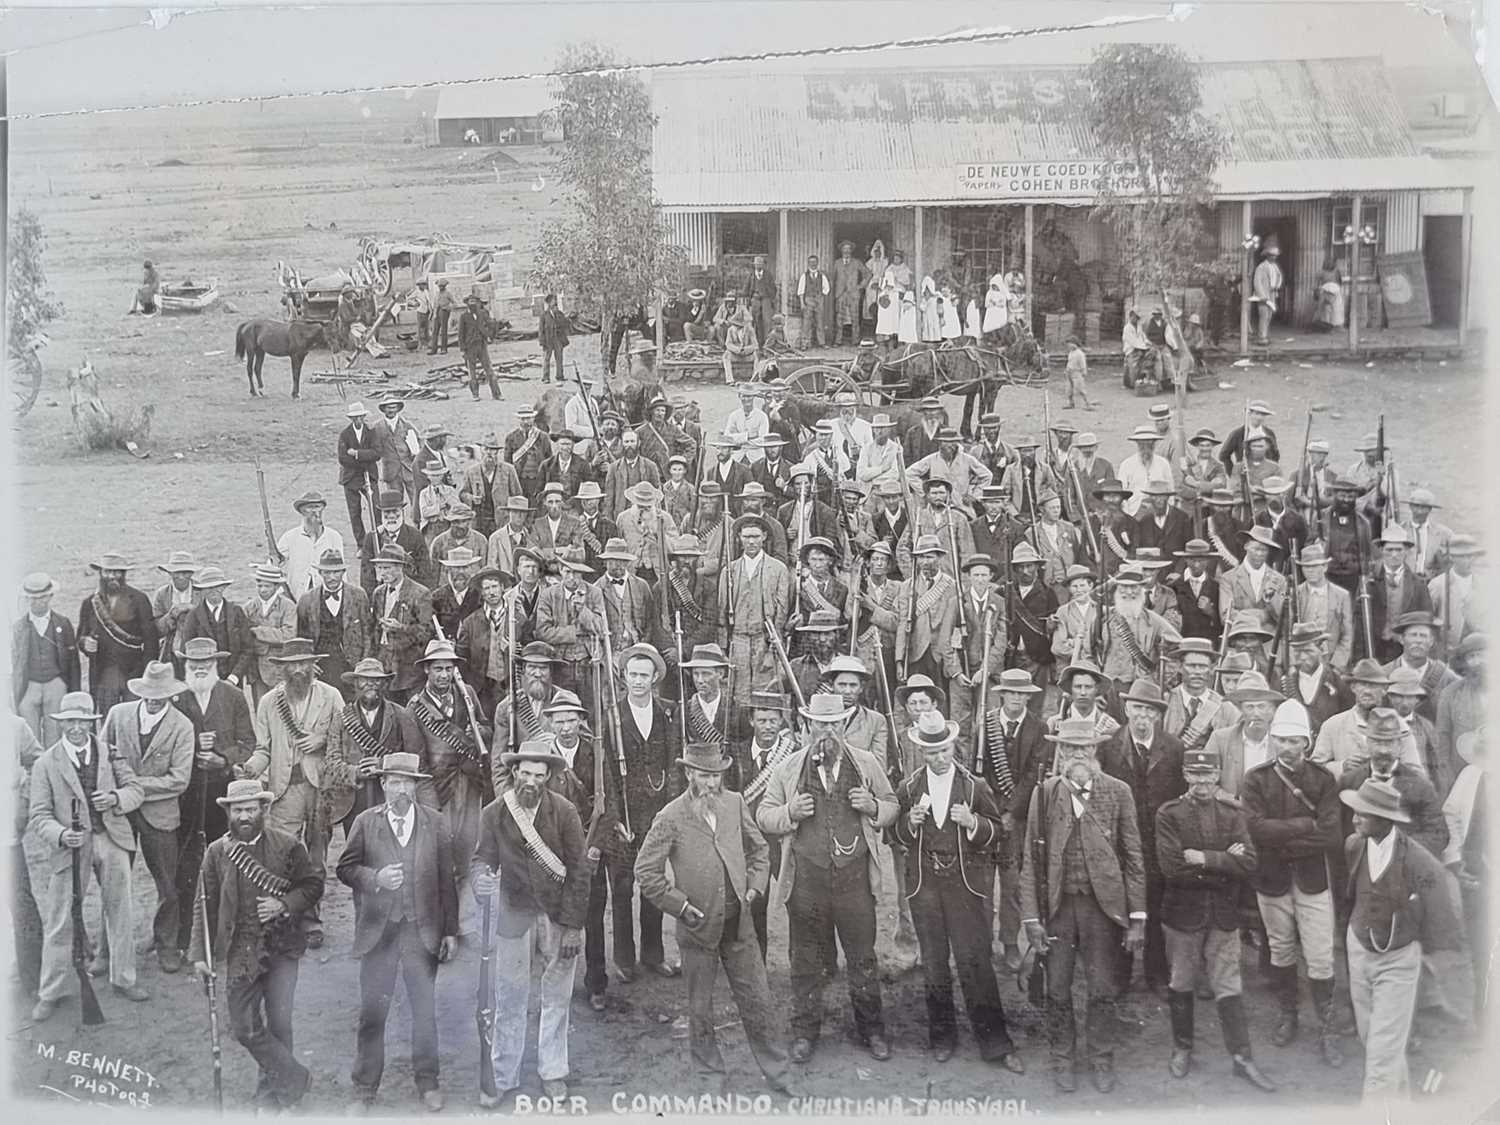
{"x":1143,"y":713}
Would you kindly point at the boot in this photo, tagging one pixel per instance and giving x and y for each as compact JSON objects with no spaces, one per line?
{"x":1328,"y":1033}
{"x":1180,"y":1005}
{"x":1237,"y":1041}
{"x":1284,"y":980}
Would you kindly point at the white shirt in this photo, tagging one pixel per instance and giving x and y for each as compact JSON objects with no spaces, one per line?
{"x":710,"y":709}
{"x":402,"y":826}
{"x":752,"y":565}
{"x":576,"y":417}
{"x":74,"y":752}
{"x":333,"y":600}
{"x":267,"y":606}
{"x":830,"y":778}
{"x":1379,"y":853}
{"x":1136,"y":476}
{"x":148,"y":720}
{"x":940,"y":789}
{"x":1308,"y":684}
{"x":1080,"y":798}
{"x":40,"y":623}
{"x":203,"y":697}
{"x":1256,"y":753}
{"x":569,"y":753}
{"x":302,"y":552}
{"x":1257,"y":577}
{"x":643,"y":716}
{"x":713,"y":821}
{"x":184,"y":597}
{"x":554,"y":525}
{"x":369,"y":714}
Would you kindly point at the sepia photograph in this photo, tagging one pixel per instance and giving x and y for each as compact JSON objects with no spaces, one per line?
{"x":749,"y":558}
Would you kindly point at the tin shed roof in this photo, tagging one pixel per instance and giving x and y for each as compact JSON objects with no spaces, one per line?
{"x":521,"y":97}
{"x":867,"y":138}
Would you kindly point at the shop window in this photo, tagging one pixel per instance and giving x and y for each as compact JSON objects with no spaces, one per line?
{"x":1343,"y":217}
{"x":744,"y":235}
{"x":992,"y":238}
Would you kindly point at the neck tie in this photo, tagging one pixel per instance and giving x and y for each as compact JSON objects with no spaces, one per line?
{"x":1194,"y":702}
{"x":401,"y":830}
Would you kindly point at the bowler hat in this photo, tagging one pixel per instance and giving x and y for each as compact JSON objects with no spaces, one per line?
{"x":1194,"y":646}
{"x":1367,"y":671}
{"x":1110,"y":487}
{"x":1195,"y":549}
{"x":643,"y":650}
{"x":1376,"y":798}
{"x":932,"y":732}
{"x":707,"y":656}
{"x":1147,"y":692}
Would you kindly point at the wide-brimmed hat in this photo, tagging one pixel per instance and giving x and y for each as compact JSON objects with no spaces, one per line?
{"x":298,"y":650}
{"x":1405,"y":681}
{"x":825,"y":707}
{"x":157,"y":682}
{"x":684,"y":546}
{"x":1195,"y":549}
{"x":642,"y":492}
{"x":1394,"y":535}
{"x":1307,"y":633}
{"x":460,"y":511}
{"x":1015,"y":679}
{"x":1367,"y":443}
{"x":543,"y":750}
{"x":703,"y":756}
{"x":1078,"y":570}
{"x":589,"y":490}
{"x":460,"y":557}
{"x":401,"y":764}
{"x":1148,"y":558}
{"x":333,"y":559}
{"x":1130,"y":575}
{"x":927,"y":545}
{"x":1313,"y":555}
{"x":1273,"y":486}
{"x":649,"y":652}
{"x":565,"y":702}
{"x":1203,"y":437}
{"x":1463,"y":546}
{"x":1145,"y":433}
{"x":845,"y":663}
{"x":200,"y":648}
{"x":36,"y":584}
{"x":821,"y":621}
{"x":113,"y":560}
{"x":920,"y":682}
{"x":971,"y":561}
{"x":178,"y":562}
{"x":1368,"y":671}
{"x":617,"y":549}
{"x":75,"y":705}
{"x":309,"y":499}
{"x":1194,"y":646}
{"x":1076,"y":732}
{"x":1422,"y":498}
{"x":392,"y":553}
{"x":763,"y":700}
{"x":1145,"y":691}
{"x":356,"y":410}
{"x":1248,"y":623}
{"x":1219,"y":498}
{"x":517,"y":503}
{"x":1252,"y":688}
{"x":211,"y":577}
{"x":1110,"y":487}
{"x":1415,"y":617}
{"x":817,"y":542}
{"x":1376,"y":798}
{"x":391,"y":398}
{"x":707,"y":656}
{"x":1262,"y":535}
{"x":438,"y":650}
{"x":1084,"y":666}
{"x":1024,"y":555}
{"x":932,"y":732}
{"x":245,"y":789}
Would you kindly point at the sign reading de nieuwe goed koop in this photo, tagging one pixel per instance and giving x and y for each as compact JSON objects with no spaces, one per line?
{"x":1045,"y":179}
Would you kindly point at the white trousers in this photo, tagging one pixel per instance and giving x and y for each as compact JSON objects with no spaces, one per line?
{"x":514,"y":961}
{"x":1298,"y":919}
{"x":1383,"y":987}
{"x":110,"y":865}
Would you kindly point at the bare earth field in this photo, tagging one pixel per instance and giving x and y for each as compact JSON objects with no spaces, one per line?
{"x":261,"y":186}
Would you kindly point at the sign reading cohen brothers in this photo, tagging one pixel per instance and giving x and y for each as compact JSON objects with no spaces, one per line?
{"x":1046,"y":179}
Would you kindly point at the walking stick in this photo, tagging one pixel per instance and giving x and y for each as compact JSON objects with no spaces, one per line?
{"x":92,"y":1015}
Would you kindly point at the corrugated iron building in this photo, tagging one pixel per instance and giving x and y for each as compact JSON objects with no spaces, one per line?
{"x":1000,"y":163}
{"x":516,"y":111}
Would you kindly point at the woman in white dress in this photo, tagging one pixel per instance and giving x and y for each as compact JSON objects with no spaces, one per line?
{"x":949,"y":327}
{"x":929,"y":320}
{"x":876,"y":265}
{"x":906,"y":306}
{"x":996,"y":305}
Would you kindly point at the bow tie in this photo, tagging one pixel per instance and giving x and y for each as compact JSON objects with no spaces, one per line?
{"x":618,"y":582}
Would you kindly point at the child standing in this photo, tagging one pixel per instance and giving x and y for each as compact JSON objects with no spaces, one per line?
{"x":1078,"y":369}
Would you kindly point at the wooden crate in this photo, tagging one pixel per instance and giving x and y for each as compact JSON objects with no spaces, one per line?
{"x":1056,"y":328}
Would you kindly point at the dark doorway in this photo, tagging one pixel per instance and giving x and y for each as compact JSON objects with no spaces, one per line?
{"x":1443,"y":254}
{"x":1285,"y":230}
{"x":863,"y":235}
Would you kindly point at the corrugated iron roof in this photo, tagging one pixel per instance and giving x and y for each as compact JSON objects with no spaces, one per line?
{"x":521,"y":97}
{"x":747,"y":140}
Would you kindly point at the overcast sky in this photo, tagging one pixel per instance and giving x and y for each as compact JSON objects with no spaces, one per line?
{"x":93,"y":58}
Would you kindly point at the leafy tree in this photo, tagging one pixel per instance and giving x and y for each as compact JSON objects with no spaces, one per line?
{"x":610,"y":249}
{"x":30,"y":306}
{"x":1145,"y":108}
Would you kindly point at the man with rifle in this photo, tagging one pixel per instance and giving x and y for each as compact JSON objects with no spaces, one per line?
{"x":1015,"y":729}
{"x":878,"y":596}
{"x":753,"y":589}
{"x":258,"y":881}
{"x":531,"y":849}
{"x":926,"y":610}
{"x":399,"y":860}
{"x":979,"y":627}
{"x":770,"y":742}
{"x":80,"y":798}
{"x":1347,"y":537}
{"x":1395,"y":591}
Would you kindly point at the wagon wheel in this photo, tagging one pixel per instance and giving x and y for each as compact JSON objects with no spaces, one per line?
{"x":380,"y":273}
{"x":24,"y":375}
{"x":824,"y":379}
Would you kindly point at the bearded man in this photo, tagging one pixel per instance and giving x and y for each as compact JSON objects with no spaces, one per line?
{"x":533,"y":838}
{"x":1133,"y":636}
{"x":116,"y":631}
{"x":399,"y":860}
{"x":259,"y":882}
{"x":223,"y":737}
{"x":272,"y":617}
{"x":538,"y":663}
{"x":1096,"y":885}
{"x":333,"y":617}
{"x":369,"y":727}
{"x":828,"y":803}
{"x":309,"y":788}
{"x":717,"y":877}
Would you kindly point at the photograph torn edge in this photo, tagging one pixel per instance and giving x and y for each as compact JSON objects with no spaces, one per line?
{"x":1177,"y":13}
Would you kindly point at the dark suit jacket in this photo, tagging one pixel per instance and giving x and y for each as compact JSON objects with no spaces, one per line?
{"x":739,"y":476}
{"x":1418,"y":798}
{"x":1197,"y":622}
{"x":1171,"y":536}
{"x":359,"y":460}
{"x":976,"y":857}
{"x":228,"y":717}
{"x":1029,"y":755}
{"x":404,"y":643}
{"x":1039,"y":604}
{"x":1411,"y":597}
{"x":1164,"y":779}
{"x":59,"y":636}
{"x":764,"y":286}
{"x":231,"y":633}
{"x":422,"y":567}
{"x":776,"y":479}
{"x":283,"y":855}
{"x":1288,"y":527}
{"x":1196,"y":898}
{"x":355,"y":611}
{"x":700,"y":858}
{"x":574,"y":475}
{"x":1111,"y":848}
{"x":137,"y":619}
{"x":525,"y":885}
{"x":1333,"y":696}
{"x":1418,"y":880}
{"x":1292,"y":840}
{"x":371,"y":845}
{"x":650,"y":762}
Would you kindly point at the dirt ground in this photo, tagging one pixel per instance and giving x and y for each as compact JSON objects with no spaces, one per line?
{"x":301,"y":185}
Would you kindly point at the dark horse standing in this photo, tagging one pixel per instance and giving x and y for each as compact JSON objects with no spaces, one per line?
{"x":256,"y":339}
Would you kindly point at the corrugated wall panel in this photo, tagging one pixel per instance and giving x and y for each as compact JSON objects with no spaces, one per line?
{"x":697,"y":232}
{"x":1402,"y":223}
